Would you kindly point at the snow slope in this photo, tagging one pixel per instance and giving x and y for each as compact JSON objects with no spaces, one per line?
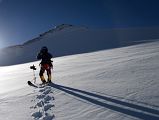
{"x":116,"y":84}
{"x":68,"y":39}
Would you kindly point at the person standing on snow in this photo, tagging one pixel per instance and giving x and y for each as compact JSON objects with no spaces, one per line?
{"x":46,"y":64}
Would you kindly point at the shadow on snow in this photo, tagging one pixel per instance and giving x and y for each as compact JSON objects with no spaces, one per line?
{"x":131,"y":109}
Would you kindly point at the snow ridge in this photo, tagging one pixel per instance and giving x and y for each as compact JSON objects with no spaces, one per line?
{"x":67,"y":39}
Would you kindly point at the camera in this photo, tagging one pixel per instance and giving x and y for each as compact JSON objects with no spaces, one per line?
{"x":33,"y":67}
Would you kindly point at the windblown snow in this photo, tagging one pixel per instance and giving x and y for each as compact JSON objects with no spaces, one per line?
{"x":116,"y":84}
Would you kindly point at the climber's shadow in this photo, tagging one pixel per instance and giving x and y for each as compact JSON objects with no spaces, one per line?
{"x":127,"y":108}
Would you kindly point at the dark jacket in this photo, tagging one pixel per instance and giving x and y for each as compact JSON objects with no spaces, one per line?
{"x":45,"y":58}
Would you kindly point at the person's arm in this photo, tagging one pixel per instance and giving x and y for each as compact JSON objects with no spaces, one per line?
{"x":50,"y":55}
{"x":39,"y":56}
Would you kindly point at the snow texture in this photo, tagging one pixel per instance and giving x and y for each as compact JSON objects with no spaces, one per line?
{"x":44,"y":103}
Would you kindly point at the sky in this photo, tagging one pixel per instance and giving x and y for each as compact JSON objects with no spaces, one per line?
{"x":23,"y":20}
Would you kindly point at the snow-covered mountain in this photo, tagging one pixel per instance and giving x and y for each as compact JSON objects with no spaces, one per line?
{"x":115,"y":84}
{"x":68,"y":39}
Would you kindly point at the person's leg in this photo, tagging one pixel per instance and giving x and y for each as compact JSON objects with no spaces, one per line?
{"x":42,"y":70}
{"x":49,"y":74}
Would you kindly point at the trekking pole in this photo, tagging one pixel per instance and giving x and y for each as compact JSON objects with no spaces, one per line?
{"x":34,"y":68}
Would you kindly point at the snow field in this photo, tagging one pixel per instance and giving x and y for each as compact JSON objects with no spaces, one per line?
{"x":116,"y":84}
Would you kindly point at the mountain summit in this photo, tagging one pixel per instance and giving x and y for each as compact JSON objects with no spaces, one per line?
{"x":66,"y":39}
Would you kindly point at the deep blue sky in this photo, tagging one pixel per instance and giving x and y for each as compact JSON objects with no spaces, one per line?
{"x":22,"y":20}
